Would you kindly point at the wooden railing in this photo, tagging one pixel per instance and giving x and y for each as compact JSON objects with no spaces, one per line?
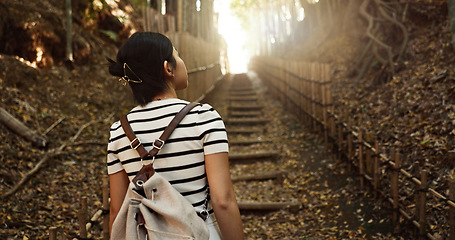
{"x":304,"y":89}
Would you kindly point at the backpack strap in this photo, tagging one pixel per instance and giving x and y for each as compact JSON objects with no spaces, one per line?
{"x":136,"y":144}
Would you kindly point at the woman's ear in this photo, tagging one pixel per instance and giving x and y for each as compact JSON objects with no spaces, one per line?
{"x":167,"y":69}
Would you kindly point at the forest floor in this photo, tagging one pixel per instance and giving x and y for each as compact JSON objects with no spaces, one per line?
{"x":414,"y":111}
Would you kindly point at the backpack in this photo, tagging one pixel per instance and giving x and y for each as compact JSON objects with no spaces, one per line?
{"x":152,"y":208}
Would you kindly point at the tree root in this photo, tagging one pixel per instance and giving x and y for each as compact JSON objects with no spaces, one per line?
{"x":390,"y":56}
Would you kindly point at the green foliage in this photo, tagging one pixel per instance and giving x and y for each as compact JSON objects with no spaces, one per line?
{"x":111,"y":34}
{"x":244,"y":9}
{"x":138,"y":5}
{"x":93,"y":8}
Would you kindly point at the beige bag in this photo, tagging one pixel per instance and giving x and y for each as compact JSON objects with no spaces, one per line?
{"x":152,"y":208}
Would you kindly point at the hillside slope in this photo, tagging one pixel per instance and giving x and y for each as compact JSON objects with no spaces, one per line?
{"x":57,"y":99}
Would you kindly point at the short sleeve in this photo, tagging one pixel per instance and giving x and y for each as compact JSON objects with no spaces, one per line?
{"x":113,"y":163}
{"x":212,"y":130}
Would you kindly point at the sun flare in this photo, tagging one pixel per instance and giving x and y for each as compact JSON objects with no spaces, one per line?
{"x":230,"y":28}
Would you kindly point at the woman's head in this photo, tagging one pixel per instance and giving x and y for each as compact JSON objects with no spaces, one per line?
{"x":142,"y":59}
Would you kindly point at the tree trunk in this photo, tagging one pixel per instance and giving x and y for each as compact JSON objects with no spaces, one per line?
{"x":451,"y":6}
{"x":18,"y":127}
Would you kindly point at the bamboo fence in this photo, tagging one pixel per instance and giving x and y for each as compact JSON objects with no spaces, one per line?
{"x":202,"y":58}
{"x":304,"y":89}
{"x":202,"y":61}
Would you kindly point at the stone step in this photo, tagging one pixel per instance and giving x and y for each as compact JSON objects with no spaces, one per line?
{"x":244,"y":131}
{"x":246,"y":121}
{"x":268,"y":206}
{"x":273,"y":155}
{"x":242,"y":93}
{"x":239,"y":114}
{"x":243,"y":98}
{"x":240,"y":88}
{"x":248,"y":142}
{"x":260,"y":177}
{"x":245,"y":107}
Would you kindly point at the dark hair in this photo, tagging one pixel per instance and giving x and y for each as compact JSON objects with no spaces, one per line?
{"x":144,"y":53}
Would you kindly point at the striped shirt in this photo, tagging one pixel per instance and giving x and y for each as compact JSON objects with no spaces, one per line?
{"x":181,"y":160}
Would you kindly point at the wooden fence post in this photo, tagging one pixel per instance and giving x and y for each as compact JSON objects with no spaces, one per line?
{"x":417,"y":195}
{"x":52,"y":233}
{"x":376,"y":169}
{"x":422,"y":203}
{"x":340,"y":140}
{"x":324,"y":104}
{"x":394,"y":188}
{"x":313,"y":96}
{"x":368,"y":152}
{"x":350,"y":151}
{"x":83,"y":218}
{"x":452,"y":209}
{"x":106,"y":207}
{"x":361,"y":164}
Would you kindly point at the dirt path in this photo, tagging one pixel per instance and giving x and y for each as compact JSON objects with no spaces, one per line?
{"x":331,"y":205}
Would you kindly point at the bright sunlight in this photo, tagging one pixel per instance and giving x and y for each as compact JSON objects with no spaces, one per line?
{"x":229,"y":27}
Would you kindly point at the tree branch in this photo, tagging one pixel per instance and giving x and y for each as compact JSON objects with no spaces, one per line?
{"x":48,"y":155}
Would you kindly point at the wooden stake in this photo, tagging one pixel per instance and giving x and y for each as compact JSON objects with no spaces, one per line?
{"x":416,"y":194}
{"x":350,"y":144}
{"x":52,"y":233}
{"x":340,"y":140}
{"x":452,"y":209}
{"x":83,"y":218}
{"x":368,"y":162}
{"x":361,"y":168}
{"x":350,"y":151}
{"x":376,"y":169}
{"x":394,"y":187}
{"x":69,"y":31}
{"x":422,"y":202}
{"x":106,"y":207}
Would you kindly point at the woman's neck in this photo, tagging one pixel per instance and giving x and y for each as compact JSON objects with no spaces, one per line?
{"x":165,"y":95}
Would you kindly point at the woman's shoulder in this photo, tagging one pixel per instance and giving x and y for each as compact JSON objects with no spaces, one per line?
{"x":206,"y":109}
{"x":162,"y":105}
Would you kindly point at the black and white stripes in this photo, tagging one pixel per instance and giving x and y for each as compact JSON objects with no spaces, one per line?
{"x":181,"y":161}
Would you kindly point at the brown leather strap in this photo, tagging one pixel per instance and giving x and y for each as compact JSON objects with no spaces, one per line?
{"x":135,"y":143}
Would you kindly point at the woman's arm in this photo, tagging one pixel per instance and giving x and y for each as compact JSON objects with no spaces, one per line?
{"x":118,"y":185}
{"x":223,"y":197}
